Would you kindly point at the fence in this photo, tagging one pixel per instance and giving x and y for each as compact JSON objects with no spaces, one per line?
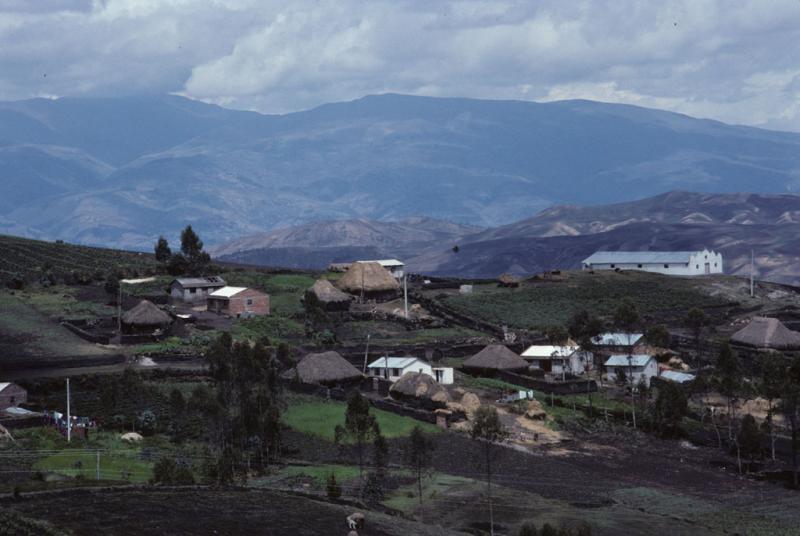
{"x":83,"y":334}
{"x":557,"y":388}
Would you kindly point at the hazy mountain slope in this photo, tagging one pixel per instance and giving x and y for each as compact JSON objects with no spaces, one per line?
{"x":316,"y":245}
{"x":561,"y":237}
{"x":168,"y":161}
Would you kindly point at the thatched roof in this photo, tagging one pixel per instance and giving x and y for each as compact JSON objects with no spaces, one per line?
{"x":327,"y":293}
{"x":419,"y":385}
{"x":764,"y":332}
{"x":508,"y":280}
{"x":495,"y":357}
{"x":326,"y":367}
{"x":370,"y":276}
{"x":145,"y":314}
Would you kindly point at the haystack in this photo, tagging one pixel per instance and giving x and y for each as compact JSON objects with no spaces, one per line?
{"x":421,"y":387}
{"x":369,"y":279}
{"x":508,"y":280}
{"x":764,"y":332}
{"x":495,"y":357}
{"x":145,"y":317}
{"x":330,"y":297}
{"x":326,"y":368}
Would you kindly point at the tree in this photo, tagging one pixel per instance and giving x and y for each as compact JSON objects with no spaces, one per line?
{"x":697,"y":321}
{"x":374,"y":488}
{"x":332,"y":487}
{"x":772,"y":371}
{"x":669,"y":409}
{"x":728,"y":380}
{"x":456,"y":249}
{"x":790,"y":408}
{"x":583,"y":328}
{"x":556,"y":335}
{"x":192,"y":250}
{"x":111,"y":286}
{"x":489,"y":430}
{"x":528,"y":529}
{"x":360,"y":426}
{"x":658,"y":336}
{"x":626,"y":316}
{"x":162,"y":250}
{"x":417,"y":452}
{"x":177,"y":265}
{"x":749,"y":437}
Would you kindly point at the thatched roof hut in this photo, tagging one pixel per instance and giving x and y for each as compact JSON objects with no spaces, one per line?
{"x":145,"y":317}
{"x":763,"y":332}
{"x":495,"y":357}
{"x":330,"y":297}
{"x":420,"y":387}
{"x":326,"y":368}
{"x":508,"y":280}
{"x":369,"y":278}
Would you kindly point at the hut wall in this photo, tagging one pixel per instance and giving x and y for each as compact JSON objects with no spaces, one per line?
{"x":13,"y":396}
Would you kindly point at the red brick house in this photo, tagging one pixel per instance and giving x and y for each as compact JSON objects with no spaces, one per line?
{"x":239,"y":302}
{"x":12,"y":395}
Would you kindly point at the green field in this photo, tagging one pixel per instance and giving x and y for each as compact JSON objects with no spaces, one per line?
{"x":285,"y":290}
{"x":319,"y":418}
{"x":114,"y":465}
{"x":537,"y":305}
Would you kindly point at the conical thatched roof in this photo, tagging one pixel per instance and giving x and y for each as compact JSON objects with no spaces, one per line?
{"x":419,"y":385}
{"x":764,"y":332}
{"x":145,"y":314}
{"x":495,"y":357}
{"x":508,"y":280}
{"x":327,"y":293}
{"x":326,"y":368}
{"x":369,"y":275}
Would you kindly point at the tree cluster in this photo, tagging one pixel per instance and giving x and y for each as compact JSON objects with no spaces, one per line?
{"x":244,"y":413}
{"x":191,"y":260}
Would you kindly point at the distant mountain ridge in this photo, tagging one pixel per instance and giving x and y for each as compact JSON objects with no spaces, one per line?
{"x":562,"y":236}
{"x":120,"y":172}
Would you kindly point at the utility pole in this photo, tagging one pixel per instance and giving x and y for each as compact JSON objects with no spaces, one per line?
{"x":366,"y":353}
{"x":386,"y":365}
{"x":405,"y":294}
{"x":69,"y":418}
{"x":119,"y":311}
{"x":752,"y":273}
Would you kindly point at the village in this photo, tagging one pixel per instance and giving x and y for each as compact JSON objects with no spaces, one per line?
{"x":394,"y":396}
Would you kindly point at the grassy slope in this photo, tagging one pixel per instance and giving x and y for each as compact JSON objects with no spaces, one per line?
{"x":319,"y":418}
{"x":545,"y":304}
{"x":26,"y":331}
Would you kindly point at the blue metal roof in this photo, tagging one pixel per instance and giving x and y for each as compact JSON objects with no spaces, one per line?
{"x":637,"y":360}
{"x":639,"y":257}
{"x":393,"y":362}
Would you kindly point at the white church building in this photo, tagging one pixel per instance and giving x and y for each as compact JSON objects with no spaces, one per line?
{"x":663,"y":262}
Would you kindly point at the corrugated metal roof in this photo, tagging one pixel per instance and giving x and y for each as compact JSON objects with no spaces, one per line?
{"x":617,"y":339}
{"x":544,"y":351}
{"x":386,"y":262}
{"x":227,"y":292}
{"x":394,"y":362}
{"x":637,"y":360}
{"x":200,"y":282}
{"x":4,"y":385}
{"x":639,"y":257}
{"x":677,"y":376}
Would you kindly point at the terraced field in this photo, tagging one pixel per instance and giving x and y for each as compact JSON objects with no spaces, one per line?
{"x":29,"y":259}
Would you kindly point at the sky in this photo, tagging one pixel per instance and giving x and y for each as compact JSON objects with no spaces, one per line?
{"x":737,"y":61}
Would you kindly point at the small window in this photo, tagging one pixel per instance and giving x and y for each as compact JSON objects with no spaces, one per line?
{"x":697,"y":266}
{"x":715,"y":265}
{"x":638,"y":265}
{"x":249,"y":301}
{"x":613,"y":266}
{"x":666,"y":266}
{"x":193,"y":291}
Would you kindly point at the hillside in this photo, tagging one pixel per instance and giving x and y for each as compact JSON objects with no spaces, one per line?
{"x":316,"y":245}
{"x":119,"y":172}
{"x":562,"y":236}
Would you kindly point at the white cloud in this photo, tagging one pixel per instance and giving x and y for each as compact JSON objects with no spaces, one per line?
{"x":736,"y":62}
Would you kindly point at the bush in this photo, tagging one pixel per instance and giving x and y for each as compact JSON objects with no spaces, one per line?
{"x":146,"y":422}
{"x":332,"y":487}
